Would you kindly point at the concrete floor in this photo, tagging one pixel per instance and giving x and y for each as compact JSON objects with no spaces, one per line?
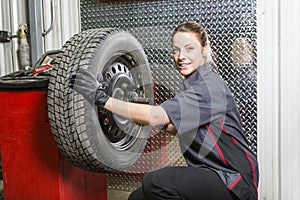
{"x":112,"y":194}
{"x":117,"y":194}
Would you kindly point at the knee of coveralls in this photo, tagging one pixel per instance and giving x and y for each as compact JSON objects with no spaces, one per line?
{"x":156,"y":187}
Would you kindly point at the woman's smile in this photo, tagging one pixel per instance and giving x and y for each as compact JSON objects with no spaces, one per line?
{"x":184,"y":65}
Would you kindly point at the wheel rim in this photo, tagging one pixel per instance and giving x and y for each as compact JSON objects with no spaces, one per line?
{"x":120,"y":132}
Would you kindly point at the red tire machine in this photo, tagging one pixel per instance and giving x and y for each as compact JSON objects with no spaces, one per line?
{"x":32,"y":167}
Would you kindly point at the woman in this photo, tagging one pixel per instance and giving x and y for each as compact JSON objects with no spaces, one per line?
{"x":206,"y":119}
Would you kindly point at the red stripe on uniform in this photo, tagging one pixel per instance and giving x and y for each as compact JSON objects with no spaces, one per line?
{"x":253,"y":170}
{"x":235,"y":182}
{"x":217,"y":146}
{"x":225,"y":131}
{"x":222,"y":126}
{"x":234,"y":140}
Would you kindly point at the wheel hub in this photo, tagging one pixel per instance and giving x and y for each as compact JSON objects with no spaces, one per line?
{"x":120,"y":131}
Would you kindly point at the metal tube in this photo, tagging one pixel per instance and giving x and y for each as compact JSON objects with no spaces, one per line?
{"x":46,"y":31}
{"x":36,"y":38}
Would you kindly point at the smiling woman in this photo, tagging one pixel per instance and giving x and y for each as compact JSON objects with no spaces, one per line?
{"x":188,"y":52}
{"x":190,"y":48}
{"x":208,"y":124}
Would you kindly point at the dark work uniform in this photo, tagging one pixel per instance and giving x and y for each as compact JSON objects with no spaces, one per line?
{"x":220,"y":163}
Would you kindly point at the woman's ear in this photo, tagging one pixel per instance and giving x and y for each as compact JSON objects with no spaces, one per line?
{"x":205,"y":51}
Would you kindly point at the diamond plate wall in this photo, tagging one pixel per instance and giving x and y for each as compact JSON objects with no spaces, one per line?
{"x":231,"y":25}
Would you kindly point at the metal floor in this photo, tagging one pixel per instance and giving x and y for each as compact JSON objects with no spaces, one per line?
{"x":117,"y":194}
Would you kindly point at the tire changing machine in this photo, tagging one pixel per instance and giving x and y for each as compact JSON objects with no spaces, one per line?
{"x":32,"y":167}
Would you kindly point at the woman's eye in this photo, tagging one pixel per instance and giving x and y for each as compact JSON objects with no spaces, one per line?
{"x":175,"y":51}
{"x":189,"y":49}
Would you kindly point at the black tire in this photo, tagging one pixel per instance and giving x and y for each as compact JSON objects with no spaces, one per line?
{"x":94,"y":139}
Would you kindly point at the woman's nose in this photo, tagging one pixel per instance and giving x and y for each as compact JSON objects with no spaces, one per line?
{"x":181,"y":55}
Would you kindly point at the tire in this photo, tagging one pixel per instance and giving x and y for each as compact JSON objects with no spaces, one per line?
{"x":91,"y":138}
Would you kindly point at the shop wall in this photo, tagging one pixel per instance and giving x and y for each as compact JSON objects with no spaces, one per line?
{"x":14,"y":12}
{"x":278,"y":99}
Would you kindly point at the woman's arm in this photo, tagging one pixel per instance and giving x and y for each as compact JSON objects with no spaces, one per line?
{"x":140,"y":113}
{"x":85,"y":83}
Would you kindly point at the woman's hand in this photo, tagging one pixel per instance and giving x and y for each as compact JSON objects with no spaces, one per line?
{"x":95,"y":91}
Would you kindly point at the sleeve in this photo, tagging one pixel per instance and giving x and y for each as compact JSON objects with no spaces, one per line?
{"x":196,"y":106}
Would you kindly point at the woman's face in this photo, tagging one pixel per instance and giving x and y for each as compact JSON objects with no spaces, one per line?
{"x":188,"y":52}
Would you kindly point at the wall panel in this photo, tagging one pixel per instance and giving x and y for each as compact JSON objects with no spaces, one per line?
{"x":278,"y":99}
{"x":15,"y":12}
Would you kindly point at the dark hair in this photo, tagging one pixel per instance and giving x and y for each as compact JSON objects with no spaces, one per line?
{"x":193,"y":27}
